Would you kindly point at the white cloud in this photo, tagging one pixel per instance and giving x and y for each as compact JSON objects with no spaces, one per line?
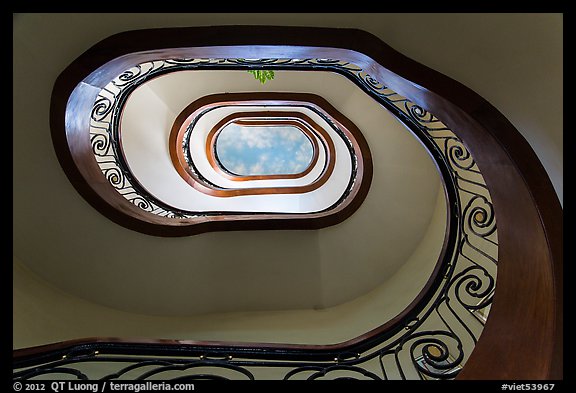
{"x":256,"y":169}
{"x":256,"y":137}
{"x":263,"y":150}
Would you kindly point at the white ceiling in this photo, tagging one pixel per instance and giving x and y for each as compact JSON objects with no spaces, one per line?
{"x":151,"y":109}
{"x":83,"y":253}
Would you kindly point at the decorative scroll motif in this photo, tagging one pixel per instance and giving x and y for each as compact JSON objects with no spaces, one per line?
{"x":433,"y":342}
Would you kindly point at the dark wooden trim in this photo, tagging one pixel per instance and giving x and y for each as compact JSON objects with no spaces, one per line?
{"x":523,"y":337}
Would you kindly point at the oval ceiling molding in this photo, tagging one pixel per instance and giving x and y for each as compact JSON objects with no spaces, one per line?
{"x":337,"y":152}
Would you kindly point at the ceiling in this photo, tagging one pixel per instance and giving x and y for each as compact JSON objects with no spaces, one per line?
{"x":146,"y":126}
{"x":83,"y":253}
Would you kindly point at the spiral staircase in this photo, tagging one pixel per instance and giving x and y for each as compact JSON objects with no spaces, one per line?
{"x":439,"y":255}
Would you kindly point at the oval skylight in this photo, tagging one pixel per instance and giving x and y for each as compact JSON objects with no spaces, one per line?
{"x":254,"y":148}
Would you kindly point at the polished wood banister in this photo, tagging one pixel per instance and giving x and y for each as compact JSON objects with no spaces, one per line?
{"x":523,"y":337}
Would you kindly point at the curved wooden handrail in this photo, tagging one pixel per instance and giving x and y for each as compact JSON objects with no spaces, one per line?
{"x":523,"y":337}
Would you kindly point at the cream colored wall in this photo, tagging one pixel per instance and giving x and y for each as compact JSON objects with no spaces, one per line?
{"x":43,"y":314}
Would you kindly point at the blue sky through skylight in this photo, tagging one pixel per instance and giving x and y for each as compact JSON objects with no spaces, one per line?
{"x":263,"y":150}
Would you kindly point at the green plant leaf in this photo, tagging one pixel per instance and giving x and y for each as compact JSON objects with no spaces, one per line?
{"x":262,"y":75}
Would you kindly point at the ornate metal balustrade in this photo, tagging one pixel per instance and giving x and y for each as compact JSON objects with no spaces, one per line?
{"x":431,"y":340}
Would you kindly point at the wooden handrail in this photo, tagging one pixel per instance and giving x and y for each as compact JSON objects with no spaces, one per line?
{"x":523,"y":337}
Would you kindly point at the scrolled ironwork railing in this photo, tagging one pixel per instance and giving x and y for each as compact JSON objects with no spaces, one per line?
{"x":432,"y":341}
